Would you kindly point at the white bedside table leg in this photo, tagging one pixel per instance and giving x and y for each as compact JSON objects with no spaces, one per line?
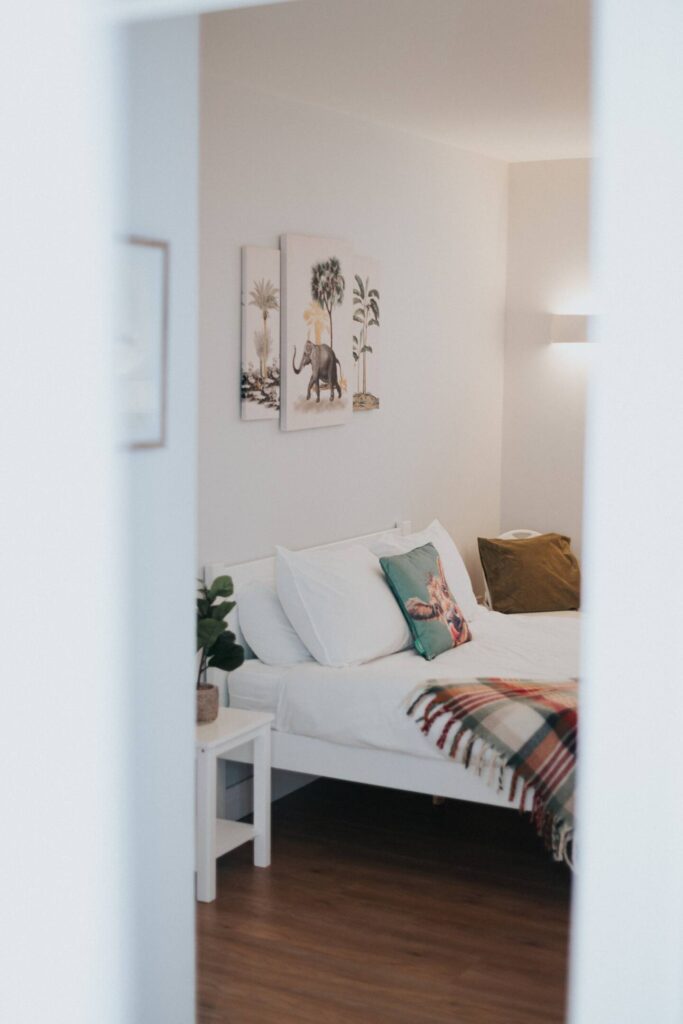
{"x":262,"y":799}
{"x":206,"y":826}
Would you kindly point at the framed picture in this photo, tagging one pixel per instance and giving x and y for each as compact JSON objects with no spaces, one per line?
{"x":142,"y":342}
{"x":366,"y":350}
{"x":260,"y":381}
{"x":316,"y":332}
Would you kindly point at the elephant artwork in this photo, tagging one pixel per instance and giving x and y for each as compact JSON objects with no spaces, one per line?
{"x":325,"y":369}
{"x":317,"y":304}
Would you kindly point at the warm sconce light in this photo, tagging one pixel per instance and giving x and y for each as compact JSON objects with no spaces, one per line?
{"x":565,"y":327}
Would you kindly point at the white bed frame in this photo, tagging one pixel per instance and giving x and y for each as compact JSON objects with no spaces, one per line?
{"x":315,"y":757}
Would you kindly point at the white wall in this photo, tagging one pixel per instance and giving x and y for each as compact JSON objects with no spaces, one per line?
{"x":545,"y":385}
{"x":162,"y":121}
{"x":435,"y":218}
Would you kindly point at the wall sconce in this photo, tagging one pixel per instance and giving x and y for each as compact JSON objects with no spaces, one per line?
{"x":566,"y":327}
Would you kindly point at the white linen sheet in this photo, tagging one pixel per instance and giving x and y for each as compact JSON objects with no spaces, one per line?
{"x":364,"y":706}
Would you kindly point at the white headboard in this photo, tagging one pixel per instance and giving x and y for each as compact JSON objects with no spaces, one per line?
{"x":263,"y":569}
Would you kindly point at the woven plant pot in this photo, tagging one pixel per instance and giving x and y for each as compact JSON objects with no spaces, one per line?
{"x":207,"y":703}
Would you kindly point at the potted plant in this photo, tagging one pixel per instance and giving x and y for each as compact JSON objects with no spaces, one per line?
{"x":215,"y":641}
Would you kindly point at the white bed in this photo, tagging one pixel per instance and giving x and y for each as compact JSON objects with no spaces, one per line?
{"x":351,"y":723}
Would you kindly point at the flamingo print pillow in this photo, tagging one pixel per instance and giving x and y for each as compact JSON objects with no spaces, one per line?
{"x":419,"y":585}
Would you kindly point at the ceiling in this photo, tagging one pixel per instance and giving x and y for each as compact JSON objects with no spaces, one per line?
{"x":507,"y":78}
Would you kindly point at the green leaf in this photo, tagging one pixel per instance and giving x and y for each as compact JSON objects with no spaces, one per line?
{"x":228,"y":662}
{"x":203,"y":608}
{"x":219,"y":611}
{"x":220,"y":643}
{"x":221,"y":587}
{"x":208,"y":631}
{"x":226,"y":654}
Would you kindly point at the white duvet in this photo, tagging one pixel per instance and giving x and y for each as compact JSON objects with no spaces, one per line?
{"x":365,"y":705}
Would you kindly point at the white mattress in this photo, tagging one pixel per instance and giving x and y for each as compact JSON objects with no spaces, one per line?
{"x":365,"y":705}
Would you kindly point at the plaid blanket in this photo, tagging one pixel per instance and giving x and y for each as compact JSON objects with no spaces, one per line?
{"x":493,"y":724}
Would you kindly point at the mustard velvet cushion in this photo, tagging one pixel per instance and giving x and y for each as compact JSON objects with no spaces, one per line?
{"x":538,"y":574}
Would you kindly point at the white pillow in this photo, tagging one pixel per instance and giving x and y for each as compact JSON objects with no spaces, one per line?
{"x":266,"y":628}
{"x":456,"y":574}
{"x":340,"y":604}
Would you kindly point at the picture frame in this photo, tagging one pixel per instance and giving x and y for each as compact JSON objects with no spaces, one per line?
{"x":260,"y":367}
{"x":316,"y":330}
{"x":142,"y":340}
{"x":366,"y":334}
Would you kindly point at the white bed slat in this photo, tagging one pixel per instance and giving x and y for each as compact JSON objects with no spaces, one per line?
{"x":430,"y":775}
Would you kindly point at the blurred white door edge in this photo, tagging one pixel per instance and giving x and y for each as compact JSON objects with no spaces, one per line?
{"x":627,"y":949}
{"x":159,"y":117}
{"x":96,"y":733}
{"x":63,"y":759}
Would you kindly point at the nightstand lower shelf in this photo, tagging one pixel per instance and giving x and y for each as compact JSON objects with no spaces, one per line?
{"x":231,"y":834}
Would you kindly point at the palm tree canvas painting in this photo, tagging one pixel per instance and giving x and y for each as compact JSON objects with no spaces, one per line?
{"x":260,"y":333}
{"x":317,"y":353}
{"x":366,"y":319}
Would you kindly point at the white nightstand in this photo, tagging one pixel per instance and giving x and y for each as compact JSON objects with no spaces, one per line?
{"x":215,"y":836}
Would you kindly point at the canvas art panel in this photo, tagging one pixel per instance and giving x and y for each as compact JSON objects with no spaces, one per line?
{"x":317,"y":352}
{"x":141,"y":341}
{"x":366,"y":327}
{"x":260,"y":380}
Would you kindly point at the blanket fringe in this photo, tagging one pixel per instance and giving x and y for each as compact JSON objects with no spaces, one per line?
{"x":485,"y":759}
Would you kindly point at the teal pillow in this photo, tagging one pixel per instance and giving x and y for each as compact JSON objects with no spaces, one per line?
{"x":420,"y":587}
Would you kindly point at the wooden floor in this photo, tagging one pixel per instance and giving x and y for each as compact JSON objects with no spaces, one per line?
{"x":380,"y":908}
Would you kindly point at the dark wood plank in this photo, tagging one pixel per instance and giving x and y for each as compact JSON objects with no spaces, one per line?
{"x":380,"y":907}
